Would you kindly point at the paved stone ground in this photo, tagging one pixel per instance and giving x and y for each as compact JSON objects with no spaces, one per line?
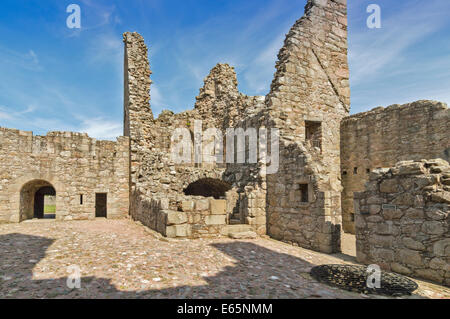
{"x":121,"y":259}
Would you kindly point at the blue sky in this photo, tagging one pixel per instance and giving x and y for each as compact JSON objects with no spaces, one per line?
{"x":55,"y":78}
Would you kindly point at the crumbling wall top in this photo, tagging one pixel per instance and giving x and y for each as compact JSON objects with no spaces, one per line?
{"x":417,"y":106}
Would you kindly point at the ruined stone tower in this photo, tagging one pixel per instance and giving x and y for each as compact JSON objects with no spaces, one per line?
{"x":137,"y":112}
{"x":309,"y":97}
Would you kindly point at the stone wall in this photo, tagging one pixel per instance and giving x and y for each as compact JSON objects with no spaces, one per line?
{"x":72,"y":163}
{"x":187,"y":216}
{"x":384,"y":136}
{"x":310,"y":90}
{"x":137,"y":113}
{"x":403,"y":220}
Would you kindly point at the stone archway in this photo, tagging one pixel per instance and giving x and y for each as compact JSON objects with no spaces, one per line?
{"x":208,"y":187}
{"x":32,"y":199}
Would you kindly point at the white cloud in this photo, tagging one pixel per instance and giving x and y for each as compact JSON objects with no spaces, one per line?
{"x":403,"y":61}
{"x":106,"y":48}
{"x":28,"y":61}
{"x":101,"y":129}
{"x":261,"y":70}
{"x":372,"y":50}
{"x":103,"y":15}
{"x":11,"y":114}
{"x":4,"y":115}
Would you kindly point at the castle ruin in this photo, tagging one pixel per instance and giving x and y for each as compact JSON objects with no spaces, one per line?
{"x":325,"y":158}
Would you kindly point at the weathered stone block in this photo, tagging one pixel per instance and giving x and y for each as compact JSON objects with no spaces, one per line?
{"x":360,"y":222}
{"x":410,"y":257}
{"x":439,"y":264}
{"x":433,"y":228}
{"x":404,"y":199}
{"x":375,"y":200}
{"x":413,"y":244}
{"x":178,"y":231}
{"x":243,"y":235}
{"x":374,"y":209}
{"x":385,"y":229}
{"x":187,"y":206}
{"x":442,"y":248}
{"x":411,"y":168}
{"x":438,"y":213}
{"x":389,"y":186}
{"x":202,"y":205}
{"x":391,"y":214}
{"x":401,"y":269}
{"x":215,"y":220}
{"x":441,"y":197}
{"x":429,"y":274}
{"x":385,"y":255}
{"x":320,"y":3}
{"x":218,"y":207}
{"x":176,"y":218}
{"x":259,"y":220}
{"x":414,"y":213}
{"x":382,"y":241}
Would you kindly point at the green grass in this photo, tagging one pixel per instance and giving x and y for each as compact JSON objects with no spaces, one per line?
{"x":49,"y":209}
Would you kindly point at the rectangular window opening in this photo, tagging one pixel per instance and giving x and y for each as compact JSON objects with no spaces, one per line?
{"x":304,"y":193}
{"x":81,"y":199}
{"x":355,"y":170}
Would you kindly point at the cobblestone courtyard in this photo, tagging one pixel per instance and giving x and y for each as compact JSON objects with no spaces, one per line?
{"x":121,"y":259}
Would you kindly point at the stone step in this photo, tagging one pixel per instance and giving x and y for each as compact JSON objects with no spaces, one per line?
{"x":243,"y":235}
{"x":241,"y":228}
{"x":235,"y":221}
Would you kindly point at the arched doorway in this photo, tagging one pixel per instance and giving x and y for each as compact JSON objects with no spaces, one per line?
{"x":37,"y":200}
{"x":208,"y":187}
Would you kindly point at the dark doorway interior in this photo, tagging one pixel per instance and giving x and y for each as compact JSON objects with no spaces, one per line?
{"x":39,"y":201}
{"x":208,"y":187}
{"x":101,"y":205}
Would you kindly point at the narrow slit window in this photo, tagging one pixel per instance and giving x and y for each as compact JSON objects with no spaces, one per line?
{"x":304,"y":193}
{"x":81,"y":199}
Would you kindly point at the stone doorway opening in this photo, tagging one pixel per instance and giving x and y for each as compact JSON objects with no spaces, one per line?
{"x":37,"y":200}
{"x":101,"y":205}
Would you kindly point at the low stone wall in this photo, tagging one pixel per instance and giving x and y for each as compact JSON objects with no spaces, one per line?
{"x":402,"y":220}
{"x":202,"y":217}
{"x":184,"y":217}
